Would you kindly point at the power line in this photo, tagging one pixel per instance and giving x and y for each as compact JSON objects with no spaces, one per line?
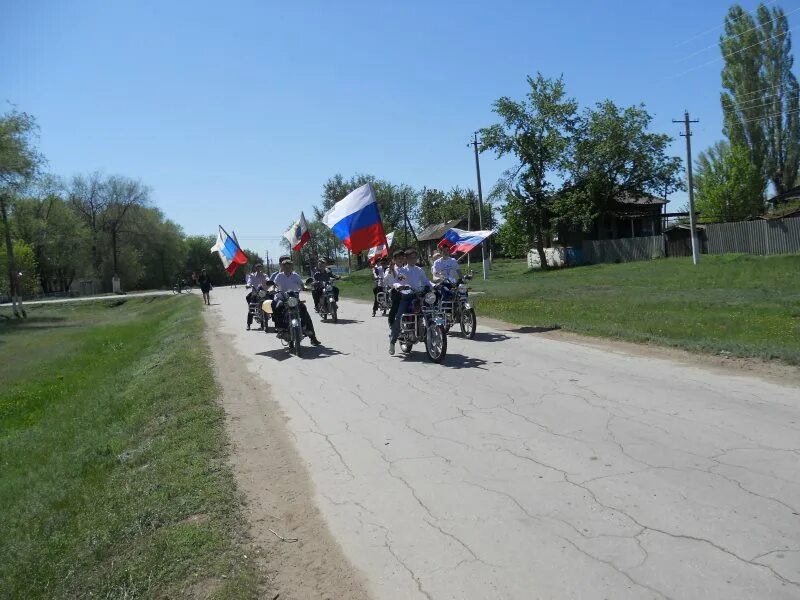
{"x":716,"y":45}
{"x":727,"y":56}
{"x":707,"y":31}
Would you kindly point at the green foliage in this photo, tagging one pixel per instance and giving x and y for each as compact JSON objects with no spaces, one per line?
{"x":512,"y":239}
{"x":761,"y":96}
{"x":436,"y":206}
{"x":612,"y":155}
{"x":25,"y":261}
{"x":728,"y":186}
{"x":536,"y":131}
{"x":19,"y":159}
{"x":111,"y":440}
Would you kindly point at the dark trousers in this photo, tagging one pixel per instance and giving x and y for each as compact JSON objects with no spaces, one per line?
{"x":375,"y":291}
{"x":316,"y":294}
{"x":249,"y":314}
{"x":395,"y":296}
{"x":279,"y":312}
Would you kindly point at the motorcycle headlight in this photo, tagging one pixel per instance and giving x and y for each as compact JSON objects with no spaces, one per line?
{"x":262,"y":294}
{"x":430,"y":298}
{"x":292,"y":302}
{"x":462,"y":288}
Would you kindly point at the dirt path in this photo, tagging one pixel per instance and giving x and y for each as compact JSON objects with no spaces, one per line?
{"x":279,"y":494}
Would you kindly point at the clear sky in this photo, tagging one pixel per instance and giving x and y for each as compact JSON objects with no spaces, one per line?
{"x":237,"y":112}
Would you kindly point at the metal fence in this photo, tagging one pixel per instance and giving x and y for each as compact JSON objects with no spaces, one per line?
{"x":623,"y":250}
{"x":779,"y":236}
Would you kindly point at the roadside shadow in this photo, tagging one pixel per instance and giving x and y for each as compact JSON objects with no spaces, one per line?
{"x":535,"y":329}
{"x":488,"y":336}
{"x":9,"y":324}
{"x":451,"y":361}
{"x":320,"y":352}
{"x":279,"y":354}
{"x":342,"y":321}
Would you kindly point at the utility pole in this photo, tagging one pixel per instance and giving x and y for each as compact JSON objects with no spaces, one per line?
{"x":692,"y":217}
{"x":480,"y":200}
{"x":405,"y":222}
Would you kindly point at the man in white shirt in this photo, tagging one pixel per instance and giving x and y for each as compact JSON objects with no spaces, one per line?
{"x":413,"y":277}
{"x":254,"y":280}
{"x":287,"y":281}
{"x":446,"y":268}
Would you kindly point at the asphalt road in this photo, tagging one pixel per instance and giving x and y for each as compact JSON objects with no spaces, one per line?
{"x":526,"y":467}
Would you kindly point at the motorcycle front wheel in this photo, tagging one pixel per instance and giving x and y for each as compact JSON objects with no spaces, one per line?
{"x":334,"y":312}
{"x":297,"y":335}
{"x":436,"y":343}
{"x":468,"y":323}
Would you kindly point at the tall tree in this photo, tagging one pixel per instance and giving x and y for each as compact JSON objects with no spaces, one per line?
{"x":728,"y":186}
{"x":613,"y":154}
{"x":436,"y":206}
{"x":19,"y":161}
{"x":761,"y":97}
{"x":537,"y":132}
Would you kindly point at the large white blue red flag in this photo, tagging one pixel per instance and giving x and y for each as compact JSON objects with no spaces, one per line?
{"x":356,"y":220}
{"x":229,"y":252}
{"x":298,"y":234}
{"x":378,"y":252}
{"x":463,"y":241}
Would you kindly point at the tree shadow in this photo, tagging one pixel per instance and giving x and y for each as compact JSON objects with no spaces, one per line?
{"x":535,"y":329}
{"x":9,"y":323}
{"x":488,"y":336}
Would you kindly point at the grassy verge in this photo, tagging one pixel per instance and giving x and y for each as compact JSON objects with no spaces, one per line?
{"x":113,"y":479}
{"x":744,"y":305}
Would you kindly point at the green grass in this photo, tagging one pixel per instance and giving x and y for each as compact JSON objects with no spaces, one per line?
{"x":746,"y":305}
{"x":113,"y":479}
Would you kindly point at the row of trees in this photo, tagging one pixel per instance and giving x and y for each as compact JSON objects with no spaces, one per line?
{"x":760,"y":101}
{"x":89,"y":227}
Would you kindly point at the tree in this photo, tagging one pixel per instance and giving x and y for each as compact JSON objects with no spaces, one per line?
{"x":728,"y":186}
{"x":27,"y":280}
{"x":537,"y":132}
{"x":613,"y":155}
{"x":761,"y":96}
{"x":163,"y":249}
{"x":436,"y":206}
{"x":19,"y":162}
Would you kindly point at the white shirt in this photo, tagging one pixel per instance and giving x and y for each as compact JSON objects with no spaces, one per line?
{"x":378,"y":271}
{"x":288,"y":283}
{"x":257,"y":279}
{"x":414,"y":277}
{"x":446,"y":268}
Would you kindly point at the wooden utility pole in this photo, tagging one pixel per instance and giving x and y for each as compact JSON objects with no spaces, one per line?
{"x":692,"y":216}
{"x":480,"y":200}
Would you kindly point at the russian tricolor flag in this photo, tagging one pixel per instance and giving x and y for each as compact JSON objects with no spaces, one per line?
{"x":356,"y":220}
{"x":229,"y":252}
{"x":298,"y":234}
{"x":463,"y":241}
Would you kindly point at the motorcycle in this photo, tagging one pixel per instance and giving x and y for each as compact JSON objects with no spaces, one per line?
{"x":384,"y":298}
{"x":258,"y":298}
{"x":458,"y":308}
{"x":424,"y":322}
{"x":327,"y":302}
{"x":289,"y":327}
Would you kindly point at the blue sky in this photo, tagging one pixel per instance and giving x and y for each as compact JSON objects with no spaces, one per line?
{"x":237,"y":112}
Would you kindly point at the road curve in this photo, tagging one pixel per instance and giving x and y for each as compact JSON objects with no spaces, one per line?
{"x":526,"y":467}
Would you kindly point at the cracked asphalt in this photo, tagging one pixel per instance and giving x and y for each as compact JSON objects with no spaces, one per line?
{"x":527,"y":467}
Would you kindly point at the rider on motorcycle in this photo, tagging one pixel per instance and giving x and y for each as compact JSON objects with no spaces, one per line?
{"x":378,"y":272}
{"x":445,"y":270}
{"x":322,"y":275}
{"x":288,"y":281}
{"x":255,"y":280}
{"x":410,"y":278}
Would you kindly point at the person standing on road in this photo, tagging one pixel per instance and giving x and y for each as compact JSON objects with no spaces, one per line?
{"x":204,"y":281}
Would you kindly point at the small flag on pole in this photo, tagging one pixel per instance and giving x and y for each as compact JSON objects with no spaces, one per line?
{"x":356,"y":220}
{"x":463,"y":241}
{"x":298,"y":234}
{"x":378,"y":252}
{"x":229,"y":251}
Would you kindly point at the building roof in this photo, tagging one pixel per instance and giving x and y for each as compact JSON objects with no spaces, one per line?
{"x":436,"y":232}
{"x":642,"y":199}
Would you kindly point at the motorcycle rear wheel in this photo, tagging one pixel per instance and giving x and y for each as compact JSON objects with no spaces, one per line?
{"x":468,"y":323}
{"x":436,"y":343}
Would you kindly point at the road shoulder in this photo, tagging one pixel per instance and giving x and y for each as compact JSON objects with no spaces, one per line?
{"x":279,"y":494}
